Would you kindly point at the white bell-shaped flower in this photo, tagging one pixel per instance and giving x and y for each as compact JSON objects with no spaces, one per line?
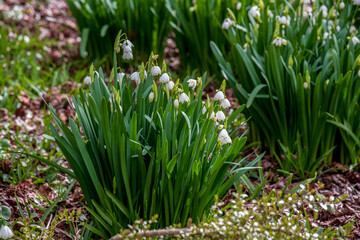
{"x":224,"y":137}
{"x":127,"y":49}
{"x":277,"y":41}
{"x":324,"y":11}
{"x":87,"y":80}
{"x":170,"y":85}
{"x":355,"y":40}
{"x":164,"y":78}
{"x":184,"y":98}
{"x":127,"y":43}
{"x":254,"y":11}
{"x":227,"y":23}
{"x":151,"y":96}
{"x":238,"y":6}
{"x":155,"y":70}
{"x":127,"y":55}
{"x":135,"y":77}
{"x":176,"y":103}
{"x":342,"y":5}
{"x":219,"y":96}
{"x":213,"y":116}
{"x":357,"y":2}
{"x":225,"y":103}
{"x":5,"y":232}
{"x":203,"y":110}
{"x":192,"y":83}
{"x":220,"y":116}
{"x":121,"y":76}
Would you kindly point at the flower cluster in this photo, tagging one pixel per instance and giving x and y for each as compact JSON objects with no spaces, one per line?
{"x":127,"y":50}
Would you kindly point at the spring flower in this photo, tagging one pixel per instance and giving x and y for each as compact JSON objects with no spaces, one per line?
{"x":176,"y":103}
{"x":278,"y":41}
{"x":121,"y":76}
{"x":164,"y":78}
{"x":270,"y":14}
{"x":219,"y":96}
{"x":224,"y":103}
{"x":359,"y":73}
{"x":221,"y":126}
{"x":135,"y":77}
{"x":87,"y":80}
{"x":306,"y":85}
{"x":224,"y":137}
{"x":127,"y":49}
{"x":342,"y":5}
{"x":151,"y":96}
{"x":220,"y":116}
{"x":307,"y":1}
{"x":324,"y":11}
{"x":5,"y":232}
{"x":127,"y":55}
{"x":227,"y":23}
{"x":352,"y":29}
{"x":155,"y":70}
{"x":184,"y":98}
{"x":326,"y":34}
{"x":284,"y":20}
{"x":338,"y":28}
{"x":254,"y":11}
{"x":213,"y":116}
{"x":170,"y":85}
{"x":357,"y":2}
{"x":127,"y":43}
{"x":203,"y":110}
{"x":238,"y":6}
{"x":192,"y":83}
{"x":355,"y":40}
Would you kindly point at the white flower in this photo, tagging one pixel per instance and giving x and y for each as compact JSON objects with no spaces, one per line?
{"x":225,"y":103}
{"x":203,"y":110}
{"x":221,"y":126}
{"x":338,"y":28}
{"x":135,"y":77}
{"x":192,"y":83}
{"x":26,"y":39}
{"x":224,"y":137}
{"x":184,"y":98}
{"x":121,"y":76}
{"x":127,"y":55}
{"x":213,"y":116}
{"x":254,"y":11}
{"x":127,"y":49}
{"x":355,"y":40}
{"x":151,"y":96}
{"x":356,"y":2}
{"x":270,"y":14}
{"x":324,"y":11}
{"x":342,"y":5}
{"x":170,"y":85}
{"x":220,"y":116}
{"x":164,"y":78}
{"x":284,"y":20}
{"x":120,"y":108}
{"x":352,"y":29}
{"x":238,"y":6}
{"x":192,"y":9}
{"x":326,"y":34}
{"x":5,"y":232}
{"x":127,"y":43}
{"x":277,"y":41}
{"x":306,"y":85}
{"x":219,"y":96}
{"x":307,"y":1}
{"x":155,"y":70}
{"x":87,"y":80}
{"x":359,"y":73}
{"x":227,"y":23}
{"x":176,"y":103}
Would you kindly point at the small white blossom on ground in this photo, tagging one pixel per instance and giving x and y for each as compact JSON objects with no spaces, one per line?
{"x":5,"y":232}
{"x":135,"y":77}
{"x":225,"y":103}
